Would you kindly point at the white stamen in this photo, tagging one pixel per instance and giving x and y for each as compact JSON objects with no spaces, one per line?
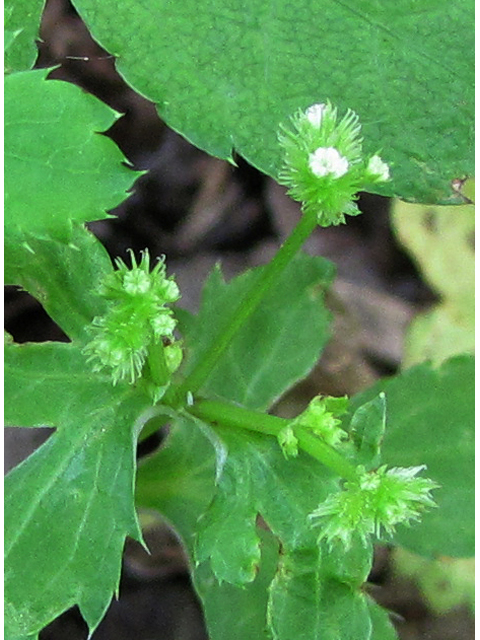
{"x":327,"y":160}
{"x":315,"y":114}
{"x":378,"y":168}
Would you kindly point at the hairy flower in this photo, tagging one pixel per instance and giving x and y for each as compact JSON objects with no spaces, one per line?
{"x":321,"y":417}
{"x":374,"y":504}
{"x":288,"y":442}
{"x":137,"y":318}
{"x":327,"y":160}
{"x":315,"y":114}
{"x":324,"y":167}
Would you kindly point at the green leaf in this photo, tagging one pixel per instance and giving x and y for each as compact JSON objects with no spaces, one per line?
{"x":63,"y":277}
{"x":430,"y":420}
{"x":382,"y":628}
{"x":255,"y":477}
{"x":22,"y":22}
{"x":269,"y":354}
{"x":179,"y":480}
{"x":249,"y":601}
{"x":306,"y":604}
{"x":367,"y":427}
{"x":441,"y":241}
{"x":69,"y":506}
{"x":226,"y":74}
{"x":58,"y":168}
{"x":179,"y":483}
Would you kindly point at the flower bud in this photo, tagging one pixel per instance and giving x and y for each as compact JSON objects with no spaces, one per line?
{"x":321,"y":418}
{"x":288,"y":442}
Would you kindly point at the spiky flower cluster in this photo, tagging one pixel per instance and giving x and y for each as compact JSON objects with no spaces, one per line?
{"x":374,"y":504}
{"x":324,"y":167}
{"x":321,"y":418}
{"x":137,"y":318}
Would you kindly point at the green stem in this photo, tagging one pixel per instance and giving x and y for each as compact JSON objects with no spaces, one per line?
{"x":157,"y":365}
{"x":246,"y":307}
{"x":229,"y":415}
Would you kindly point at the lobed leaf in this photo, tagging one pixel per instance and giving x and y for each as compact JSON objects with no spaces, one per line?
{"x":307,"y":604}
{"x":58,"y":168}
{"x":295,"y":598}
{"x":226,"y":74}
{"x":69,"y":506}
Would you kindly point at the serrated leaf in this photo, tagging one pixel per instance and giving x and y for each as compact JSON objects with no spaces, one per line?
{"x":430,"y":420}
{"x":63,"y":277}
{"x":69,"y":506}
{"x":282,"y":491}
{"x":441,"y":242}
{"x":22,"y":21}
{"x":226,"y":74}
{"x":305,"y":604}
{"x":269,"y":354}
{"x":179,"y":483}
{"x":250,"y":601}
{"x":367,"y":428}
{"x":58,"y":168}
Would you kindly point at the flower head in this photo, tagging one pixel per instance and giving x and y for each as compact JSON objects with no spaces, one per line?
{"x":324,"y":166}
{"x":137,"y":317}
{"x":375,"y":503}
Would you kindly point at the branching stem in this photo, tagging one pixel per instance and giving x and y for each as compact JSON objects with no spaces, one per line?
{"x":229,"y":415}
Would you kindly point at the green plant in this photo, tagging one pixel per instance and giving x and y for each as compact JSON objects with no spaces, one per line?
{"x":320,"y":482}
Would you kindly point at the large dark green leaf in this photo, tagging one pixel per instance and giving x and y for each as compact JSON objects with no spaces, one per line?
{"x":69,"y":506}
{"x":430,"y":420}
{"x":58,"y":168}
{"x":226,"y":73}
{"x":277,"y":346}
